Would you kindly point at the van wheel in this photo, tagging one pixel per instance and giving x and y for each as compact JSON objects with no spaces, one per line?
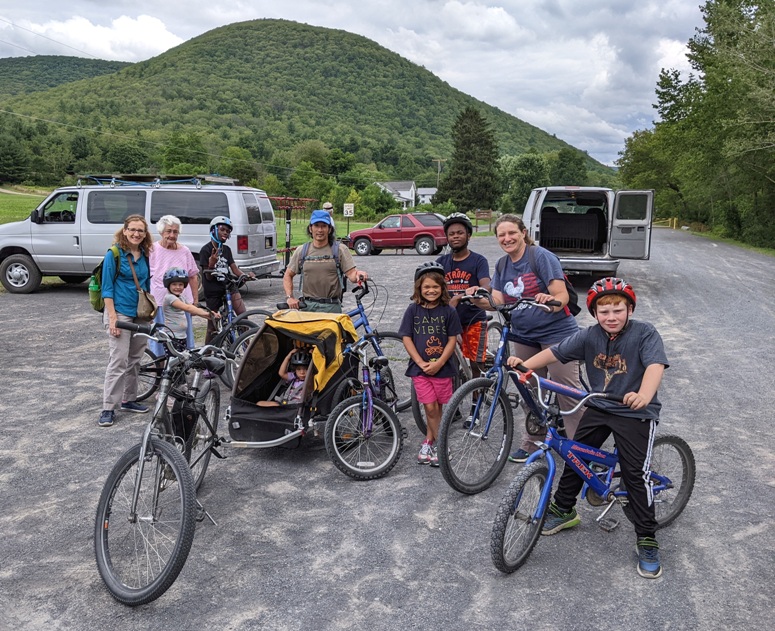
{"x":19,"y":274}
{"x":425,"y":246}
{"x":362,"y":247}
{"x":74,"y":279}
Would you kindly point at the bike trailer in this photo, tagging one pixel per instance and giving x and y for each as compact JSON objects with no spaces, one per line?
{"x":325,"y":335}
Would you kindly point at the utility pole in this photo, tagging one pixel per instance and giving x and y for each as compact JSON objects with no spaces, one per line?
{"x":438,"y":174}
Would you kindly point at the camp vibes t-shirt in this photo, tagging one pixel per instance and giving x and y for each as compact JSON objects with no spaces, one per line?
{"x":459,"y":276}
{"x":430,"y":330}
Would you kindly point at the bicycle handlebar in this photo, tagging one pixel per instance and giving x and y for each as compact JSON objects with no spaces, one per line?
{"x":483,"y":294}
{"x":156,"y":333}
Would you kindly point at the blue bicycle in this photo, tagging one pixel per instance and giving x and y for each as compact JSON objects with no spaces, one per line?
{"x":520,"y":516}
{"x":477,"y":425}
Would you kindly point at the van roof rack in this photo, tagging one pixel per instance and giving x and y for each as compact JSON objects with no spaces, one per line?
{"x":144,"y":179}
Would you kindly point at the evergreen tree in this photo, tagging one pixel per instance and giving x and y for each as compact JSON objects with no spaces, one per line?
{"x":472,"y":180}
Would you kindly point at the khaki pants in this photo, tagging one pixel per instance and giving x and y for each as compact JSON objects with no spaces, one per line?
{"x":323,"y":307}
{"x":125,"y":353}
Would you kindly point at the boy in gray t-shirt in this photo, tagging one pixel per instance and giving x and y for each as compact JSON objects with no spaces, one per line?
{"x":175,"y":306}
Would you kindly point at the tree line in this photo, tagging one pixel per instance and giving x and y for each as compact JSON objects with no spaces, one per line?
{"x":710,"y":155}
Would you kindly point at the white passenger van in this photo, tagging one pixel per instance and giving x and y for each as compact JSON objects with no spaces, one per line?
{"x":68,"y":234}
{"x":590,"y":229}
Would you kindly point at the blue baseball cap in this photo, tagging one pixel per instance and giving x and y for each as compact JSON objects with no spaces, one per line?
{"x":321,"y":216}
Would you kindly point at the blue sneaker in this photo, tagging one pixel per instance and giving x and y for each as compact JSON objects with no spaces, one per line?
{"x":520,"y":455}
{"x":648,"y":557}
{"x":556,"y":520}
{"x":106,"y":418}
{"x":134,"y":406}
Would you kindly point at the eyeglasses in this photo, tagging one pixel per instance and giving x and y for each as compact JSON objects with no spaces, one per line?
{"x":136,"y":230}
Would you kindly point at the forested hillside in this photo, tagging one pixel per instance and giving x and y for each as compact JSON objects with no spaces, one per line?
{"x":22,"y":75}
{"x":294,"y":108}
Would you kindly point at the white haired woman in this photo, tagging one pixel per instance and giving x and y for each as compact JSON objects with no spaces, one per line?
{"x":167,"y":253}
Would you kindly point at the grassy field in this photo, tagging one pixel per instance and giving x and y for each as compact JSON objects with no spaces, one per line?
{"x":17,"y":207}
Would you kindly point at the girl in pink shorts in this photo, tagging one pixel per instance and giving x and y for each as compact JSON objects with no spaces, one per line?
{"x":429,"y":330}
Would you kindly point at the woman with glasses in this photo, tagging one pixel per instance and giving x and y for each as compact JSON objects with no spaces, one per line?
{"x":166,"y":254}
{"x":134,"y":244}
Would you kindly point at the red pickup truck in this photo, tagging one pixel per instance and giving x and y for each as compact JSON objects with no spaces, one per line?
{"x":422,"y":231}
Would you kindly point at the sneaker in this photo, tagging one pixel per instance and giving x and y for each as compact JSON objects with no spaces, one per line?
{"x":469,"y":423}
{"x":434,"y":461}
{"x":648,"y":557}
{"x":520,"y":455}
{"x":424,"y":457}
{"x":556,"y":520}
{"x":134,"y":406}
{"x":106,"y":418}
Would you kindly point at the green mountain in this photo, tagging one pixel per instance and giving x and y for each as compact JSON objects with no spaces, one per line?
{"x":265,"y":86}
{"x":22,"y":75}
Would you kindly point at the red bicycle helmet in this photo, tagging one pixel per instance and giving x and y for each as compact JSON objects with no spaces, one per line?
{"x":610,"y":285}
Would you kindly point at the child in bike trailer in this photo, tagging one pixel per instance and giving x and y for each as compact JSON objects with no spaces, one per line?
{"x":429,"y":330}
{"x":624,"y":357}
{"x":298,"y":362}
{"x":175,"y":306}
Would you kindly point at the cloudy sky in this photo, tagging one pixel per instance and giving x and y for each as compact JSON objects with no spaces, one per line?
{"x":584,"y":70}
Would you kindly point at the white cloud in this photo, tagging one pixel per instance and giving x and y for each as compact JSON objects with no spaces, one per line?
{"x":585,"y":71}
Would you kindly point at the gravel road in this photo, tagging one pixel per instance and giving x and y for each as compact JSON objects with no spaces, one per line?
{"x":300,"y":546}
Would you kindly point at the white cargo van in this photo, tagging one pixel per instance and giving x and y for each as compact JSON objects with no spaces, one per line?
{"x":68,"y":234}
{"x":590,"y":229}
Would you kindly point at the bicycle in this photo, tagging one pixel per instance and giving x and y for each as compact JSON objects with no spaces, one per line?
{"x":387,"y":344}
{"x":363,"y":435}
{"x":521,"y":513}
{"x":477,"y":425}
{"x":228,"y":329}
{"x":147,"y":511}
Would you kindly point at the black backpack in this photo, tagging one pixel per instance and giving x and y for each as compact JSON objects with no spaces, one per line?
{"x":573,"y":296}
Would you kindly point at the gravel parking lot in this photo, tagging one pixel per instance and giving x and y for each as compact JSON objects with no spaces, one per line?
{"x":298,"y":545}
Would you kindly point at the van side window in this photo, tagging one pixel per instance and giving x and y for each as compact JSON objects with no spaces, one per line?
{"x":61,"y":208}
{"x":267,"y":213}
{"x":251,"y":208}
{"x":632,"y":207}
{"x":191,"y":207}
{"x":113,"y":206}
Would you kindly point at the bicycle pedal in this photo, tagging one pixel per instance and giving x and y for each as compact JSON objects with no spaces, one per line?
{"x":608,"y":524}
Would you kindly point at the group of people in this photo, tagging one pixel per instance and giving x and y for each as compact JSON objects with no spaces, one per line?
{"x":167,"y":269}
{"x":621,"y":355}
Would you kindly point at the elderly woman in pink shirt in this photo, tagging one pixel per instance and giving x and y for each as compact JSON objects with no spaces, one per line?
{"x":167,"y":253}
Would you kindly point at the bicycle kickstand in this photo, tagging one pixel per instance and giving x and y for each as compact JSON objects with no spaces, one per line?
{"x":607,"y":524}
{"x":201,"y":513}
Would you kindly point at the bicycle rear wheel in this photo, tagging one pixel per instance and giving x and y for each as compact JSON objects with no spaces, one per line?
{"x":671,"y":457}
{"x":140,"y":556}
{"x":399,"y":385}
{"x":517,"y":525}
{"x":239,"y":348}
{"x":494,"y":333}
{"x":470,"y":459}
{"x":356,"y":453}
{"x":149,"y":374}
{"x":199,"y":439}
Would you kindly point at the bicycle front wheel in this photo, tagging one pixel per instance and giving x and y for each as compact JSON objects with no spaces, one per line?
{"x":239,"y":348}
{"x":149,"y":374}
{"x":199,"y":439}
{"x":140,"y":555}
{"x":399,"y":387}
{"x":356,"y":450}
{"x":519,"y":519}
{"x":672,"y":458}
{"x":471,"y":454}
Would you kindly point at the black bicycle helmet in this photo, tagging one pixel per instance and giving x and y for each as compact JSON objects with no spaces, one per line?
{"x":300,"y":359}
{"x":427,"y":268}
{"x":175,"y":275}
{"x":610,"y":285}
{"x":459,"y":218}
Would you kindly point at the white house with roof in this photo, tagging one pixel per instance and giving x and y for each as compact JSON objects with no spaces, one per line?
{"x":425,"y":195}
{"x":403,"y":192}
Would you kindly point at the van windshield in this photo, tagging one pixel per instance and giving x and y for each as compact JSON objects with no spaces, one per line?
{"x":191,"y":207}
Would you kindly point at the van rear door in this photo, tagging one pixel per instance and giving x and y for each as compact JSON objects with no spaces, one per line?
{"x":631,"y":225}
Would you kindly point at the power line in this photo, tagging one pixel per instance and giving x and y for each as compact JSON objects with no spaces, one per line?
{"x":48,"y":38}
{"x":17,"y":46}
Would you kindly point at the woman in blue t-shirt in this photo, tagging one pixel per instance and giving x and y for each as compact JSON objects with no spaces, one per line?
{"x":533,"y":330}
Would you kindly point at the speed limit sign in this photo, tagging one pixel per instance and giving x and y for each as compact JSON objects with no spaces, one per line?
{"x":349,"y":210}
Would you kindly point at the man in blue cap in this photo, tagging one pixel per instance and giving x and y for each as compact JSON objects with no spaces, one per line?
{"x":322,"y":266}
